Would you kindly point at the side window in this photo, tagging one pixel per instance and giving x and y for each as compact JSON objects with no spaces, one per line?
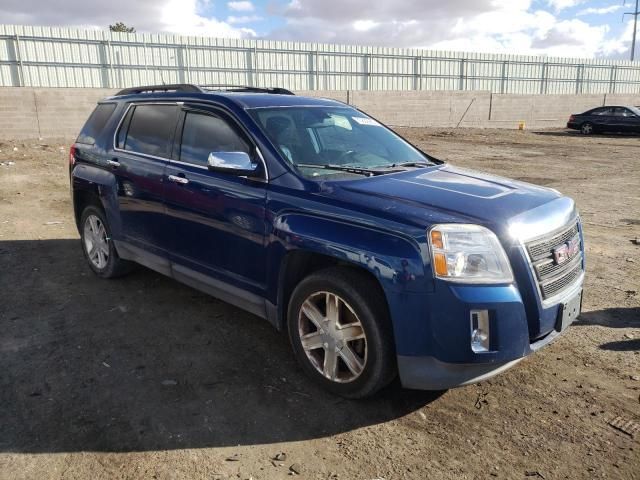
{"x":124,"y":127}
{"x":601,"y":111}
{"x":96,"y":123}
{"x":203,"y":134}
{"x":622,"y":112}
{"x":151,"y":130}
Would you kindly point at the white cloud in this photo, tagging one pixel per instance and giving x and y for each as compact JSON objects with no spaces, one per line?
{"x":364,"y":25}
{"x":179,"y":16}
{"x":241,"y":6}
{"x":175,"y":16}
{"x":234,"y":20}
{"x":559,"y":5}
{"x":599,"y":11}
{"x":502,"y":26}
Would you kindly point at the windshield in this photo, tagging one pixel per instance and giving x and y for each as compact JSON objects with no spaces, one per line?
{"x":314,"y":139}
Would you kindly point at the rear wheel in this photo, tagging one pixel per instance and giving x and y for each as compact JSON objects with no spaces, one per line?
{"x":340,"y":332}
{"x":587,"y":128}
{"x":98,"y":247}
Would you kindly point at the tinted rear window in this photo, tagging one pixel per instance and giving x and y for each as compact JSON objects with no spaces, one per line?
{"x":151,"y":130}
{"x":96,"y":123}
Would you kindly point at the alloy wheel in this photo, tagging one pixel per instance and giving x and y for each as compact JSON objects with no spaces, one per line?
{"x":96,"y":242}
{"x":332,"y":337}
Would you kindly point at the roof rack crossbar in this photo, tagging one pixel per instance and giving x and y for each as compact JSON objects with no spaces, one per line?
{"x":178,"y":87}
{"x":246,"y":88}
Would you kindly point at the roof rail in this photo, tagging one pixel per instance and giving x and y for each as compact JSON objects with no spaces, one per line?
{"x":245,"y":88}
{"x":178,"y":87}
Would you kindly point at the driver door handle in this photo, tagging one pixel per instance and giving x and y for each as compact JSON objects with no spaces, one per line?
{"x":177,"y":179}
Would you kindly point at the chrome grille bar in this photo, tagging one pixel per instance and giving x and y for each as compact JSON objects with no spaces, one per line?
{"x":553,"y":278}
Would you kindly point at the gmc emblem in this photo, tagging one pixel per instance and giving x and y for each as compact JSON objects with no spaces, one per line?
{"x":566,"y":251}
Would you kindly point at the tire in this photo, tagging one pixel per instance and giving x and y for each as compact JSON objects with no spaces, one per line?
{"x":587,"y":128}
{"x":367,"y":344}
{"x":98,"y":247}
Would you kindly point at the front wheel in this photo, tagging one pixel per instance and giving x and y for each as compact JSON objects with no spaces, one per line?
{"x":587,"y":128}
{"x":98,"y":247}
{"x":340,"y":332}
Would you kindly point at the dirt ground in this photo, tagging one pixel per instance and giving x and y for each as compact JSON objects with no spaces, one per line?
{"x":145,"y":378}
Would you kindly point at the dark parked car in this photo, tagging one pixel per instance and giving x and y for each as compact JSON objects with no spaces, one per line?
{"x":378,"y":259}
{"x":607,"y":119}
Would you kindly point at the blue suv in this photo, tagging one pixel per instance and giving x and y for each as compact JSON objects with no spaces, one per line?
{"x":378,"y":259}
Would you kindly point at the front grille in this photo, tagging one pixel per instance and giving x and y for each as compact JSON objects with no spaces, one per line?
{"x":554,"y":278}
{"x":543,"y":247}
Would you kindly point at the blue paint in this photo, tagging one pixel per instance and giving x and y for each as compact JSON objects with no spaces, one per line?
{"x":238,"y":232}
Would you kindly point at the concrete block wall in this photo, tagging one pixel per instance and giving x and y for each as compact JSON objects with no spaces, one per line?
{"x":53,"y":112}
{"x":46,"y":112}
{"x":18,"y":118}
{"x":539,"y":111}
{"x":64,"y":111}
{"x":418,"y":109}
{"x":622,"y":99}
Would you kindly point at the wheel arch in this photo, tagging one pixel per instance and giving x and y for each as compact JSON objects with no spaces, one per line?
{"x":299,"y":264}
{"x":94,"y":186}
{"x":302,"y":244}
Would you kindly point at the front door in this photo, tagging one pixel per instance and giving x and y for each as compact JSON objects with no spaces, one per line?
{"x":218,"y":219}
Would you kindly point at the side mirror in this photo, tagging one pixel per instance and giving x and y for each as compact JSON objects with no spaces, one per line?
{"x":234,"y":163}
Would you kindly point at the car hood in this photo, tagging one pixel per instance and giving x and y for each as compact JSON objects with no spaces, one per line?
{"x":446,"y":193}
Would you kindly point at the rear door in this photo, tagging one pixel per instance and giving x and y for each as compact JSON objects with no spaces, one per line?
{"x":143,"y":146}
{"x":602,"y":118}
{"x":218,"y":219}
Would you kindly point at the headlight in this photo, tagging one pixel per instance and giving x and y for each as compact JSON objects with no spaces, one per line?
{"x":468,"y":254}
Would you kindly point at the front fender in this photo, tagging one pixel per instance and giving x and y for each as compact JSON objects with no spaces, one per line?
{"x":104,"y":185}
{"x":394,"y":259}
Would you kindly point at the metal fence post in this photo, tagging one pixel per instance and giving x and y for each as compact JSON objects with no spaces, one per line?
{"x":310,"y":68}
{"x":579,"y":78}
{"x":417,"y":70}
{"x":613,"y":78}
{"x":462,"y":83}
{"x":21,"y":79}
{"x":543,"y":79}
{"x":104,"y":69}
{"x":503,"y":77}
{"x":187,"y":63}
{"x":250,"y":58}
{"x":366,"y":65}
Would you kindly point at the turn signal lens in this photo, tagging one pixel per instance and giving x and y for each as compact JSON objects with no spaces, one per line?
{"x":436,"y":239}
{"x":468,"y":254}
{"x":440,"y":263}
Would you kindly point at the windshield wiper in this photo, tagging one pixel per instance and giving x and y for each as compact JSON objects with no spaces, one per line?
{"x":367,"y":172}
{"x":408,"y":164}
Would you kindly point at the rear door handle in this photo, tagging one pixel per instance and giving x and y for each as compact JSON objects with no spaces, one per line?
{"x":113,"y":163}
{"x":177,"y":179}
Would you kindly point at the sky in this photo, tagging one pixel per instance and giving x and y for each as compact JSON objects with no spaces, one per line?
{"x":561,"y":28}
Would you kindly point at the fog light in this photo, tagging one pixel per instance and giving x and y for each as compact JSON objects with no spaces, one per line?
{"x":480,"y":331}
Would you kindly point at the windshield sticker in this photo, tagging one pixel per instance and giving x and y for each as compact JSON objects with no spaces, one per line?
{"x":366,"y":121}
{"x":340,"y":121}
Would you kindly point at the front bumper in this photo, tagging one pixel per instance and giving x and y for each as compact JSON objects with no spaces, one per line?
{"x":451,"y":362}
{"x":429,"y":373}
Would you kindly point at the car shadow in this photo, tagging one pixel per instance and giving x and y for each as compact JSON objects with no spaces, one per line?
{"x":575,"y":133}
{"x":611,"y":317}
{"x":145,"y":363}
{"x":632,"y":345}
